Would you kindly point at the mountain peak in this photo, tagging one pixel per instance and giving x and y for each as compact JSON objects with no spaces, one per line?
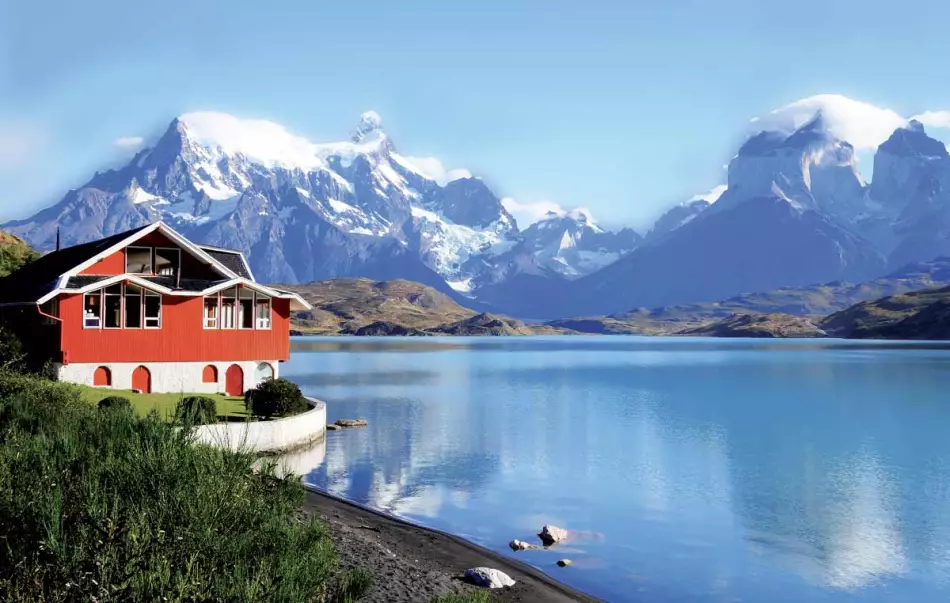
{"x":911,"y":140}
{"x":370,"y":124}
{"x":261,"y":141}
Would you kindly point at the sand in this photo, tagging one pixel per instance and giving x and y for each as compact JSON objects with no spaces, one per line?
{"x":412,"y":563}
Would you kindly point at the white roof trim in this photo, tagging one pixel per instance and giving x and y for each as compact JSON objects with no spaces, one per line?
{"x":167,"y":231}
{"x":152,"y":286}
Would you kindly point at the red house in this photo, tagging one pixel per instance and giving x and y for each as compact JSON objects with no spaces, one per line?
{"x":149,"y":310}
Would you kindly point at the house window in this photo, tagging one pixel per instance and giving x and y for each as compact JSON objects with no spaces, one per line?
{"x":263,"y":312}
{"x":167,"y":261}
{"x":102,"y":377}
{"x":92,"y":310}
{"x":211,"y":312}
{"x":112,"y":307}
{"x":247,"y":308}
{"x":228,"y":309}
{"x":209,"y":374}
{"x":133,"y":307}
{"x":138,"y":260}
{"x":153,"y":310}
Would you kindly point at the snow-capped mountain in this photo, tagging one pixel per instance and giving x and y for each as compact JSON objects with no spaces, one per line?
{"x":303,"y":211}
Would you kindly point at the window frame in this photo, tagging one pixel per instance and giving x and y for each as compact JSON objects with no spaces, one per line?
{"x":145,"y":317}
{"x":125,"y":306}
{"x":97,"y":293}
{"x":234,"y":309}
{"x":217,"y":312}
{"x":240,"y":306}
{"x":121,"y":296}
{"x":257,"y":316}
{"x":151,"y":259}
{"x":176,"y":269}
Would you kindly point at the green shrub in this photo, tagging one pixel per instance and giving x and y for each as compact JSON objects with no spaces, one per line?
{"x":196,"y":410}
{"x":115,"y":402}
{"x":275,"y":398}
{"x":109,"y":507}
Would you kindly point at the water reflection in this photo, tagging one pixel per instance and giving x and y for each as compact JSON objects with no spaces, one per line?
{"x":802,"y":472}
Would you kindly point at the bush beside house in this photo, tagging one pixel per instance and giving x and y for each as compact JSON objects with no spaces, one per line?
{"x":274,"y":398}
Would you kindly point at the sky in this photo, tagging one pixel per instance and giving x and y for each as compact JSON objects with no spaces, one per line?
{"x":625,"y":108}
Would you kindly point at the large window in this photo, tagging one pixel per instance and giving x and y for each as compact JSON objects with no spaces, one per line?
{"x":112,"y":307}
{"x":167,"y":261}
{"x":153,"y":310}
{"x":237,"y":308}
{"x":211,"y":312}
{"x":247,"y":308}
{"x":228,"y":309}
{"x":138,"y":260}
{"x":133,"y":307}
{"x":92,"y":310}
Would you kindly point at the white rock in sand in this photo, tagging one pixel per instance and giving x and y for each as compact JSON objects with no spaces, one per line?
{"x":488,"y":577}
{"x":521,"y":545}
{"x":552,"y":535}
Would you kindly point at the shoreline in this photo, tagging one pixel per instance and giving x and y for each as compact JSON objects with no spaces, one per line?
{"x":415,"y":563}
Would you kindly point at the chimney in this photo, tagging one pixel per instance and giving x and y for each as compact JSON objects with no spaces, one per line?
{"x":57,"y":238}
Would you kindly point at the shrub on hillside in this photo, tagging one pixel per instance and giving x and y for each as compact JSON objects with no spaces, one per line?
{"x":107,"y":506}
{"x":115,"y":403}
{"x":196,"y":410}
{"x":275,"y":398}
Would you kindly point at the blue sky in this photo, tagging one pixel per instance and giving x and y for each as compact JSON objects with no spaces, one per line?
{"x":623,"y":107}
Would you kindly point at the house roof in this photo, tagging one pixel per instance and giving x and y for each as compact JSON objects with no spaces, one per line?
{"x":41,"y":276}
{"x":231,"y":258}
{"x":58,"y":271}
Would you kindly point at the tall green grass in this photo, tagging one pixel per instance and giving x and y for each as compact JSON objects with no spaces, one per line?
{"x":101,"y":505}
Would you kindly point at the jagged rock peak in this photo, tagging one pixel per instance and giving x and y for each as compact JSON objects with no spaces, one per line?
{"x":912,"y":140}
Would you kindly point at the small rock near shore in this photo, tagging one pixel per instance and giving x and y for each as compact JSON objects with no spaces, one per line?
{"x":564,"y":562}
{"x":552,"y":535}
{"x":521,"y":545}
{"x":487,"y":577}
{"x":333,"y":427}
{"x":351,"y":423}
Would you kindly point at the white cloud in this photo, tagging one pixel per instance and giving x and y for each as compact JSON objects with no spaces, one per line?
{"x":935,"y":119}
{"x":528,"y":213}
{"x":712,"y":196}
{"x":129,"y":143}
{"x":863,"y":125}
{"x":20,"y":144}
{"x":433,"y":169}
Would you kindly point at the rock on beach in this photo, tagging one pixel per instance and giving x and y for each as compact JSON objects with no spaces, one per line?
{"x":487,"y":577}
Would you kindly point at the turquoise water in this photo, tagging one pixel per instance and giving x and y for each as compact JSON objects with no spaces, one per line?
{"x":687,"y":469}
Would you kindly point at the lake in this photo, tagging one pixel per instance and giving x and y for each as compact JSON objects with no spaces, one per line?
{"x":686,"y":469}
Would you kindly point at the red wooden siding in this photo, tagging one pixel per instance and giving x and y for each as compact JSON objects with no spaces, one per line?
{"x":191,"y":267}
{"x":181,"y":338}
{"x":110,"y":265}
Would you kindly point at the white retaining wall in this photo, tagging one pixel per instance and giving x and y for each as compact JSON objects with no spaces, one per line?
{"x":168,"y":377}
{"x":268,"y":436}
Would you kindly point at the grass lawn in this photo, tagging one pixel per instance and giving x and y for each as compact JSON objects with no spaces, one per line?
{"x":229,"y":408}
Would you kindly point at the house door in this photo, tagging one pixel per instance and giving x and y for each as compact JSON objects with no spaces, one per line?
{"x":142,"y":380}
{"x":234,"y":381}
